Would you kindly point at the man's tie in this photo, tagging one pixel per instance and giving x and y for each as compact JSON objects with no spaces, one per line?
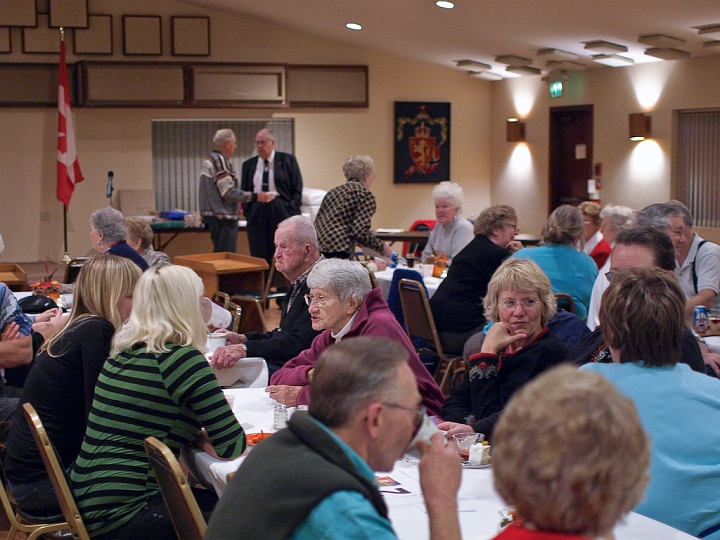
{"x":266,"y":176}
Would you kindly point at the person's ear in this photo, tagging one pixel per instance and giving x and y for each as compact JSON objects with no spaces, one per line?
{"x":353,"y":305}
{"x":372,"y":419}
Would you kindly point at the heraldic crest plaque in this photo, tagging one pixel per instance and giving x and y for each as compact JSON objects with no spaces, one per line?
{"x":422,"y":142}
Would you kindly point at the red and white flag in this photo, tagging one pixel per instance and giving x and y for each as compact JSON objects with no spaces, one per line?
{"x":68,"y":166}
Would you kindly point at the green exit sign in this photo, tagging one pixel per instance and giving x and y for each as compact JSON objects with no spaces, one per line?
{"x":556,"y":89}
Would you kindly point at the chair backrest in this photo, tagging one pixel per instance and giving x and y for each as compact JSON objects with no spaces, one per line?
{"x":221,"y":299}
{"x":73,"y":269}
{"x":253,"y":315}
{"x":393,"y":299}
{"x":416,"y":248}
{"x":565,"y":302}
{"x":56,"y":473}
{"x":236,"y":312}
{"x":373,"y":280}
{"x":274,"y":279}
{"x":416,"y":309}
{"x":186,"y":516}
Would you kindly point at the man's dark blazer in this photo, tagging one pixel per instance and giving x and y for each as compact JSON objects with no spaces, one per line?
{"x":294,"y":335}
{"x":288,"y":184}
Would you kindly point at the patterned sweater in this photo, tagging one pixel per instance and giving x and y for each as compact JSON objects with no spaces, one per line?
{"x":344,"y":219}
{"x":170,"y":396}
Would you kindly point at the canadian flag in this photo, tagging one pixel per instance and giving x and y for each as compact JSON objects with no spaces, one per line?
{"x":68,"y":166}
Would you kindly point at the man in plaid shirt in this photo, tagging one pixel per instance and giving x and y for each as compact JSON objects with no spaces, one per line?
{"x":346,"y":211}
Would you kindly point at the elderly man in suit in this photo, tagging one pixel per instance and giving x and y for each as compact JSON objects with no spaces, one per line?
{"x":269,"y":171}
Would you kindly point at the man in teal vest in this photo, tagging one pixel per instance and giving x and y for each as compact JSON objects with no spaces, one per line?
{"x":315,"y":478}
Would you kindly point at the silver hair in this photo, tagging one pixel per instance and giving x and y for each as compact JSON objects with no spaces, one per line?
{"x":617,"y":217}
{"x":109,"y":222}
{"x":303,"y":230}
{"x":269,"y":132}
{"x":681,"y":210}
{"x":449,"y":191}
{"x":222,"y":136}
{"x":657,"y":215}
{"x":347,"y":279}
{"x":358,"y":167}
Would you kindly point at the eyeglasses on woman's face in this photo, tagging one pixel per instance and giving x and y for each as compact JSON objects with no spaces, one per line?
{"x":527,"y":304}
{"x":318,"y":300}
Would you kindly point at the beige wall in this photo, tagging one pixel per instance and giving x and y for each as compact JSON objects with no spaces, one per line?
{"x":634,"y":174}
{"x":120,"y":139}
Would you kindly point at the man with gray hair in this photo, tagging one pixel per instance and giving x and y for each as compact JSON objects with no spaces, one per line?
{"x":296,"y":252}
{"x":220,"y":195}
{"x":697,"y":261}
{"x":315,"y":479}
{"x":275,"y":172}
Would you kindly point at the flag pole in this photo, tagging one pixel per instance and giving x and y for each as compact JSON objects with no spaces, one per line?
{"x":66,"y":256}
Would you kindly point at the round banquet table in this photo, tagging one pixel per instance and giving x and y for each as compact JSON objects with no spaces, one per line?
{"x":479,"y":505}
{"x":384,"y":279}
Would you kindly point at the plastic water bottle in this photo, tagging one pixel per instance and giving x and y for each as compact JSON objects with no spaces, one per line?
{"x":280,"y":416}
{"x":394,"y":260}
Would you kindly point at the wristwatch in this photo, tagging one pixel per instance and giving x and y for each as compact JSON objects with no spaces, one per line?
{"x":243,"y":347}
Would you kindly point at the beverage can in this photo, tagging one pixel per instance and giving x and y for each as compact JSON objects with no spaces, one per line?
{"x":700,"y":318}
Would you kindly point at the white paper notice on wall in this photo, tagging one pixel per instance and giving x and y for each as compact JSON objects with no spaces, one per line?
{"x":580,"y":151}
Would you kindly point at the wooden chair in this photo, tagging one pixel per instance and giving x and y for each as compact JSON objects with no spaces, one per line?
{"x":565,"y":302}
{"x":420,"y":324}
{"x":29,"y":525}
{"x":186,"y":516}
{"x":253,"y":314}
{"x":274,"y":279}
{"x":56,"y":473}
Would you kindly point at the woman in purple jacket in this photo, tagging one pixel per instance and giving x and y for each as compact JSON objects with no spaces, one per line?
{"x":343,"y":303}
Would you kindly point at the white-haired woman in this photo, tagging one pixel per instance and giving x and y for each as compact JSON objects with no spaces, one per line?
{"x":156,"y":383}
{"x":452,"y":232}
{"x":108,"y":232}
{"x":344,"y":305}
{"x":346,"y":212}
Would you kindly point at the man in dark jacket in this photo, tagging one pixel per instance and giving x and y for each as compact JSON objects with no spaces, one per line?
{"x":270,"y":172}
{"x":296,"y":252}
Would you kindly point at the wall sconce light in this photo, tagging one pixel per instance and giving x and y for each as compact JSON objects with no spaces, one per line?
{"x":640,"y":126}
{"x":515,"y":130}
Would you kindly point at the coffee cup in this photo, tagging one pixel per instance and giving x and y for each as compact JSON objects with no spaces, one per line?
{"x":215,"y":340}
{"x":425,"y":432}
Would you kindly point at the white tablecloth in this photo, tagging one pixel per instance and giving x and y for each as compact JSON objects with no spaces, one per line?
{"x":478,"y":502}
{"x":384,"y":279}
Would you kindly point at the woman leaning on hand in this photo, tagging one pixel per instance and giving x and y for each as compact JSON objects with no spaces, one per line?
{"x":517,"y":348}
{"x":156,"y":383}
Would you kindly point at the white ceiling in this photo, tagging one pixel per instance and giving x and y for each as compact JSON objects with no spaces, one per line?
{"x":484,"y":29}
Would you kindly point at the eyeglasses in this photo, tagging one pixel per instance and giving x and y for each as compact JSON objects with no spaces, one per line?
{"x":419,"y":412}
{"x":527,"y":304}
{"x":513,"y":226}
{"x":319,"y":301}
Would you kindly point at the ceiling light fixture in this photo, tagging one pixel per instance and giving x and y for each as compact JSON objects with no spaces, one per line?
{"x":661,"y":41}
{"x":604,"y":47}
{"x":512,"y":60}
{"x":713,"y":43}
{"x":523,"y":70}
{"x":565,"y":65}
{"x":445,"y":5}
{"x":667,"y":54}
{"x":353,"y":26}
{"x":709,"y":30}
{"x":486,"y":75}
{"x":640,"y":126}
{"x":613,"y":60}
{"x":556,"y":55}
{"x":472,"y":65}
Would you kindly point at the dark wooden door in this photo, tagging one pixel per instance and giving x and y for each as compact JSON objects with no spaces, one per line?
{"x":571,"y":154}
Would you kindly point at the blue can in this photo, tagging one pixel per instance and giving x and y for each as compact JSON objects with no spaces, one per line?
{"x":700,"y":319}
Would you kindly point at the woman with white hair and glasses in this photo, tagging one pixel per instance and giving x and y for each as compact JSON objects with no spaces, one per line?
{"x":343,"y":304}
{"x":452,"y":232}
{"x":517,"y":348}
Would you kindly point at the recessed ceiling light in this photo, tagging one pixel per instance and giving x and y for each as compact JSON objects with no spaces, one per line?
{"x":445,"y":5}
{"x":613,"y":60}
{"x":667,"y":54}
{"x":512,"y":60}
{"x":353,"y":26}
{"x":604,"y":47}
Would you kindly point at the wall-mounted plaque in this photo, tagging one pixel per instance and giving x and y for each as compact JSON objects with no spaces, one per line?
{"x":142,"y":35}
{"x":42,"y":39}
{"x":68,"y":13}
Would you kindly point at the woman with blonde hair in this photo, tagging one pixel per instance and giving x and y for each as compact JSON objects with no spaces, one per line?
{"x":517,"y":348}
{"x":570,"y":271}
{"x":157,"y":383}
{"x":61,"y":384}
{"x":139,"y":237}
